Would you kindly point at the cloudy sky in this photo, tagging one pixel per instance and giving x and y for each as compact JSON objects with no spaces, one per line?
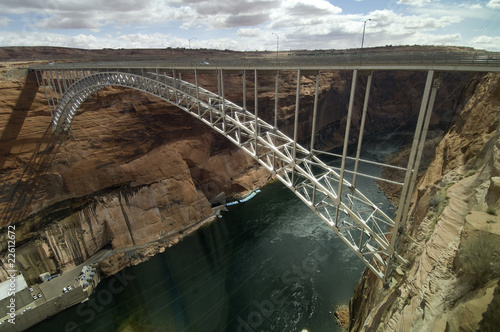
{"x":249,"y":24}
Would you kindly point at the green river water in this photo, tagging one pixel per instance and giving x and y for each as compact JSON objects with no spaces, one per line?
{"x":269,"y":264}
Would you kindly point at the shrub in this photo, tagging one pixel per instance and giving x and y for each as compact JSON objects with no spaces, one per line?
{"x":492,"y":211}
{"x":437,"y":204}
{"x":434,"y":201}
{"x":479,"y":259}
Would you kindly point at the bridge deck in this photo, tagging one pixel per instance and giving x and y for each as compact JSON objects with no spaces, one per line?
{"x":424,"y":61}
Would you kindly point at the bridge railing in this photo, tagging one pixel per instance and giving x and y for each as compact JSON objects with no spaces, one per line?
{"x":294,"y":60}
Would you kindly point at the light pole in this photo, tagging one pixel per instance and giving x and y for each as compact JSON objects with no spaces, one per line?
{"x":363,"y":39}
{"x":190,"y":41}
{"x":277,"y":45}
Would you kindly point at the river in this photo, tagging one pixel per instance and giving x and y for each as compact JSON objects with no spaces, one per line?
{"x":269,"y":264}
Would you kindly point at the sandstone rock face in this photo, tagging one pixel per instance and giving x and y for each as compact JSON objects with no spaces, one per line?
{"x":451,"y":240}
{"x":135,"y":172}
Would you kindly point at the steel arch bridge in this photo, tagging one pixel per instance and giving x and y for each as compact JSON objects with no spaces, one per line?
{"x":369,"y":232}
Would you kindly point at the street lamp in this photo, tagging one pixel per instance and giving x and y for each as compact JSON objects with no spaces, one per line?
{"x":363,"y":39}
{"x":190,"y":41}
{"x":277,"y":45}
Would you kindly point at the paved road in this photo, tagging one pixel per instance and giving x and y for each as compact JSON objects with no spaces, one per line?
{"x":344,"y":60}
{"x":53,"y":288}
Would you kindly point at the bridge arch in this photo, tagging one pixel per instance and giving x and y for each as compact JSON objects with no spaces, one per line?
{"x":361,"y":224}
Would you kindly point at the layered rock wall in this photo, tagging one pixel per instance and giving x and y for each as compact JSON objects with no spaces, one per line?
{"x":452,"y":237}
{"x":133,"y":171}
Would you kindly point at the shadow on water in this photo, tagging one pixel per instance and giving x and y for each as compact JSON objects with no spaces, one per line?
{"x":267,"y":265}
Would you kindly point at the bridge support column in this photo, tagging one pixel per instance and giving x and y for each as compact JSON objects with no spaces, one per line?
{"x":362,"y":128}
{"x":424,"y":116}
{"x":52,"y":90}
{"x":276,"y":99}
{"x":315,"y":113}
{"x":59,"y":84}
{"x":223,"y":101}
{"x":197,"y":87}
{"x":245,"y":90}
{"x":276,"y":96}
{"x":313,"y":129}
{"x":41,"y":81}
{"x":65,"y":87}
{"x":175,"y":85}
{"x":256,"y":100}
{"x":295,"y":126}
{"x":346,"y":141}
{"x":360,"y":142}
{"x":54,"y":86}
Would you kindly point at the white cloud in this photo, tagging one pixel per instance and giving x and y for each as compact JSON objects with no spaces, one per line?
{"x":391,"y":20}
{"x":91,"y":14}
{"x":494,"y":4}
{"x":156,"y":40}
{"x":59,"y":22}
{"x":303,"y":12}
{"x":69,"y":6}
{"x":309,"y":7}
{"x":240,"y":24}
{"x":486,"y":42}
{"x":212,"y":14}
{"x":4,"y":21}
{"x":475,"y":6}
{"x":90,"y":41}
{"x":249,"y":32}
{"x":222,"y":14}
{"x":49,"y":39}
{"x":418,"y":3}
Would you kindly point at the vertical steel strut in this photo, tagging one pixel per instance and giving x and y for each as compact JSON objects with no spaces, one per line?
{"x":413,"y":162}
{"x":276,"y":99}
{"x":295,"y":127}
{"x":244,"y":90}
{"x":315,"y":112}
{"x":256,"y":100}
{"x":223,"y":100}
{"x":361,"y":129}
{"x":346,"y":140}
{"x":197,"y":87}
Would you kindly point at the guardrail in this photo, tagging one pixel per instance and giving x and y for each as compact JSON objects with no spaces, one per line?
{"x":295,"y":60}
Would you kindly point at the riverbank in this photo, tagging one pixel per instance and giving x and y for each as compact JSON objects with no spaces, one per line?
{"x":131,"y":256}
{"x":38,"y":302}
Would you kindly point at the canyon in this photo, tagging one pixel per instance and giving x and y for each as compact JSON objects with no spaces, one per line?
{"x":135,"y":175}
{"x":451,"y":240}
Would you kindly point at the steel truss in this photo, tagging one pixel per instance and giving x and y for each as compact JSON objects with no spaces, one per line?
{"x":361,"y":224}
